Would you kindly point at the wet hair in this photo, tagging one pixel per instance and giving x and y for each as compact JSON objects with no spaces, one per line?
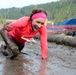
{"x":39,"y":10}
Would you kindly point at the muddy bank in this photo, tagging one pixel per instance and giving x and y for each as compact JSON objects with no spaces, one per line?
{"x":61,"y":61}
{"x":61,"y":39}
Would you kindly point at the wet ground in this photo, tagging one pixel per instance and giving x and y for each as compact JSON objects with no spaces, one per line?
{"x":61,"y":61}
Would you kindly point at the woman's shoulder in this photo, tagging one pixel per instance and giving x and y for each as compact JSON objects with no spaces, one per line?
{"x":25,"y":17}
{"x":23,"y":20}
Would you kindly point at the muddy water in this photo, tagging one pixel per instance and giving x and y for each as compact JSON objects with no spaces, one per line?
{"x":61,"y":61}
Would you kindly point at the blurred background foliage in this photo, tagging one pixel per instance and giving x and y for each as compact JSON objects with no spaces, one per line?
{"x":57,"y":11}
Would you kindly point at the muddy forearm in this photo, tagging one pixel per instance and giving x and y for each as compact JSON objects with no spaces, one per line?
{"x":12,"y":46}
{"x":4,"y":36}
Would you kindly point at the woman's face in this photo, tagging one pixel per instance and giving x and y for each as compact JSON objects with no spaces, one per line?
{"x":37,"y":23}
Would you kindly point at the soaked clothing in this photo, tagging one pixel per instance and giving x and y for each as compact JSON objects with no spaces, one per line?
{"x":22,"y":28}
{"x":20,"y":45}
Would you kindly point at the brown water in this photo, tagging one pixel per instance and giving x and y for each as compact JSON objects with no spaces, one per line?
{"x":61,"y":61}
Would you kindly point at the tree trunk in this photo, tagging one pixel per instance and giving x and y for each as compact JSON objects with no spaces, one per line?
{"x":62,"y":39}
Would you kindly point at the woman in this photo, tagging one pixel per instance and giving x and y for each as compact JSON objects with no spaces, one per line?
{"x":26,"y":28}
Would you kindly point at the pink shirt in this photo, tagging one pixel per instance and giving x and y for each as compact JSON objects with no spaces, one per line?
{"x":22,"y":27}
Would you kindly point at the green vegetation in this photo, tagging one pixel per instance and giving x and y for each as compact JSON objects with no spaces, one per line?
{"x":57,"y":11}
{"x":1,"y":20}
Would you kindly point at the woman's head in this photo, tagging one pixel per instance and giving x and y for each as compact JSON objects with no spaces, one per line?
{"x":38,"y":18}
{"x":35,"y":11}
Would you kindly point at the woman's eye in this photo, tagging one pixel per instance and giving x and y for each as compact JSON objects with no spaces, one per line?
{"x":42,"y":23}
{"x":37,"y":21}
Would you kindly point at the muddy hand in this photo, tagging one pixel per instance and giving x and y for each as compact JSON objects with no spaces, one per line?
{"x":13,"y":48}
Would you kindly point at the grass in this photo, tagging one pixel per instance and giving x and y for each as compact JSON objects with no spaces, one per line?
{"x":5,"y":21}
{"x":9,"y":20}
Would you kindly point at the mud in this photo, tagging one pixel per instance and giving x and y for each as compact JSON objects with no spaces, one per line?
{"x":61,"y":61}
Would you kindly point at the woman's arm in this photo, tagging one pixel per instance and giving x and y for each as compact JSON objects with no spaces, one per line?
{"x":43,"y":42}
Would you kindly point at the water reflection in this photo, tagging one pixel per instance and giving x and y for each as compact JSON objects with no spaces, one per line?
{"x":15,"y":67}
{"x":43,"y":67}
